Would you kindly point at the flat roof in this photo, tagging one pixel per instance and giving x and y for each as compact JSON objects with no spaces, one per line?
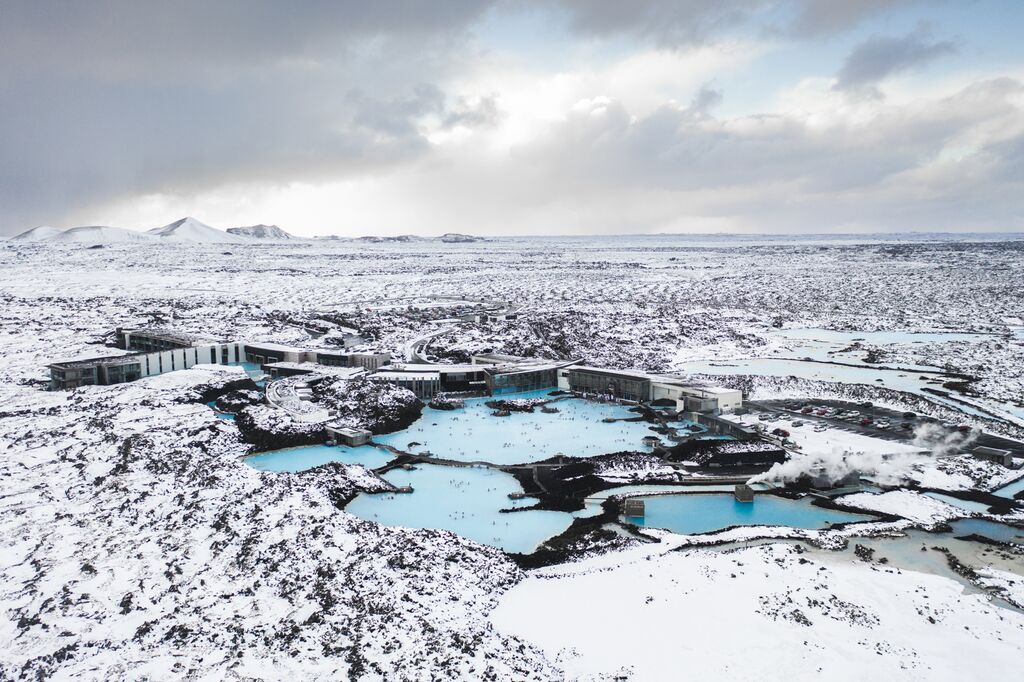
{"x":346,"y":353}
{"x":169,"y":334}
{"x":125,"y":357}
{"x":428,"y":376}
{"x":525,"y":368}
{"x":349,"y":431}
{"x":317,"y":368}
{"x":716,"y":389}
{"x":632,"y":373}
{"x":270,"y":345}
{"x":441,"y":369}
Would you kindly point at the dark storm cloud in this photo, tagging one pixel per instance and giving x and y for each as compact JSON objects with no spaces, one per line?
{"x":143,"y":36}
{"x":682,"y":22}
{"x":108,"y":99}
{"x":879,"y":57}
{"x":115,"y":99}
{"x":819,"y":17}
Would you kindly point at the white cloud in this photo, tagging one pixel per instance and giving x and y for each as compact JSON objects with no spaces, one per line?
{"x":415,"y":124}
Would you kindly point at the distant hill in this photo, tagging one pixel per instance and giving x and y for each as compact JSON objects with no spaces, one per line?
{"x":37,"y":234}
{"x":100,"y":234}
{"x":191,"y":230}
{"x":261,"y":232}
{"x":456,"y":238}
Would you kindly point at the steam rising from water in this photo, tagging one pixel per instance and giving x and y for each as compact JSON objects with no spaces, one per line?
{"x":884,"y":468}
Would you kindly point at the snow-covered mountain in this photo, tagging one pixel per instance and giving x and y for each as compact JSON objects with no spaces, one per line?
{"x":37,"y":234}
{"x":456,"y":238}
{"x":100,"y":234}
{"x":191,"y":230}
{"x":261,"y":232}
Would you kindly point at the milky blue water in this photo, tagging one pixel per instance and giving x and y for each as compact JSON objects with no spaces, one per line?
{"x":908,"y":382}
{"x":688,"y":514}
{"x":966,"y":505}
{"x":1011,"y":489}
{"x":988,"y":529}
{"x":251,"y":368}
{"x":220,"y":415}
{"x":309,"y":456}
{"x":472,"y":434}
{"x":464,"y":500}
{"x":880,"y":337}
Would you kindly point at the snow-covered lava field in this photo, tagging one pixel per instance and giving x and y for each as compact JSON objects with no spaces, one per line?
{"x":137,"y":543}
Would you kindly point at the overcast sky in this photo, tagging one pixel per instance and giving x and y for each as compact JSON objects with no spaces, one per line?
{"x":515,"y":116}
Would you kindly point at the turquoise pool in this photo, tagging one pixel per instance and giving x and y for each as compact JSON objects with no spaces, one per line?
{"x":472,"y":434}
{"x":251,"y":368}
{"x":464,"y":500}
{"x":309,"y":456}
{"x":988,"y":529}
{"x":704,"y":513}
{"x":966,"y":505}
{"x":220,"y":415}
{"x":1011,"y":489}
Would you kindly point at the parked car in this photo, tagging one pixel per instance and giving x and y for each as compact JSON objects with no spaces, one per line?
{"x":906,"y":425}
{"x":807,"y":410}
{"x":866,"y":421}
{"x":797,"y":422}
{"x":909,"y":415}
{"x":780,"y":432}
{"x":963,"y":428}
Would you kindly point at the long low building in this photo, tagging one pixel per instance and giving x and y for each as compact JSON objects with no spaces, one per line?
{"x":157,"y":351}
{"x":618,"y":384}
{"x":450,"y":378}
{"x":517,"y":378}
{"x":424,"y":384}
{"x":119,"y":369}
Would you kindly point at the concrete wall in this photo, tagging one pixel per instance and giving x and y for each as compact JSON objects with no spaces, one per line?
{"x":730,"y":400}
{"x":563,"y":379}
{"x":161,"y":362}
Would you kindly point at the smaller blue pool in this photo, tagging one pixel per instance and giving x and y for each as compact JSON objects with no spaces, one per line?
{"x":966,"y":505}
{"x":464,"y":500}
{"x":1011,"y":489}
{"x":309,"y":456}
{"x":220,"y":415}
{"x":989,"y":529}
{"x":703,"y":513}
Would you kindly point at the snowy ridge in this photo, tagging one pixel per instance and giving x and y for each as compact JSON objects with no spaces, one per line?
{"x":185,"y":230}
{"x":100,"y":234}
{"x":191,"y":230}
{"x":262,"y":232}
{"x":37,"y":234}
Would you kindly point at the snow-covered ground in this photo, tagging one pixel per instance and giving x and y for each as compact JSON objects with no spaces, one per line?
{"x":906,"y":504}
{"x":135,"y":542}
{"x":762,"y":613}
